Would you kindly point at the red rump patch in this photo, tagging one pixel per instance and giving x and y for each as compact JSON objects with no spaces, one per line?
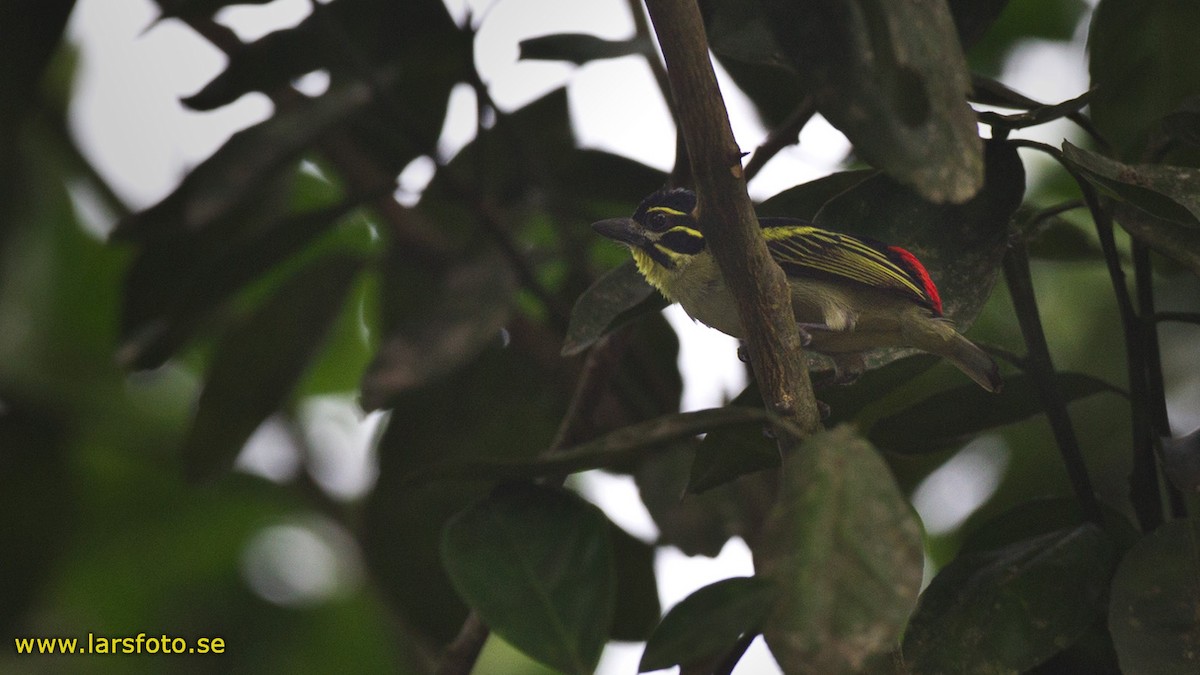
{"x":920,"y":275}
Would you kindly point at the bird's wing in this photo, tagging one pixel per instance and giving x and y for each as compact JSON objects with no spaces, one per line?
{"x":803,"y":250}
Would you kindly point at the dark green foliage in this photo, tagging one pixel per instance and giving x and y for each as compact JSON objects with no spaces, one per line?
{"x":507,"y":348}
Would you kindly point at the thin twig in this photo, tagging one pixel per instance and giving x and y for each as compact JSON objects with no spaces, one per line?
{"x":787,"y":133}
{"x":1156,"y":397}
{"x":459,"y":657}
{"x":1180,"y":317}
{"x":1041,"y":369}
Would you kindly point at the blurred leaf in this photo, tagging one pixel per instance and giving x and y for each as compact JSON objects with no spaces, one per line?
{"x":578,"y":48}
{"x":176,"y":282}
{"x":708,"y":623}
{"x":351,"y":344}
{"x":466,"y":312}
{"x":961,"y":246}
{"x":845,"y":403}
{"x":1183,"y":123}
{"x":1181,"y":461}
{"x":741,"y":31}
{"x":259,"y":362}
{"x":805,"y":200}
{"x":1040,"y":516}
{"x":1141,"y":64}
{"x":1167,"y":192}
{"x":637,"y":609}
{"x":504,"y":405}
{"x":537,"y":565}
{"x":1062,"y":240}
{"x":701,"y":524}
{"x":621,"y":294}
{"x":972,"y":18}
{"x":236,"y":175}
{"x":843,"y":548}
{"x":725,"y":454}
{"x":202,"y":8}
{"x":34,"y":483}
{"x":1174,"y":240}
{"x":1152,"y":613}
{"x":32,"y":33}
{"x":1019,"y":22}
{"x":892,"y":77}
{"x":1009,"y":609}
{"x":956,"y":415}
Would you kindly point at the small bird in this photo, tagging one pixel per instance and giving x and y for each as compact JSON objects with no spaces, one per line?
{"x":850,"y":294}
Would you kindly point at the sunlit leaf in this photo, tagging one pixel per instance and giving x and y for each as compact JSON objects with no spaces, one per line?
{"x":843,"y":548}
{"x":707,"y":623}
{"x":536,"y":563}
{"x":892,"y":77}
{"x":956,"y":415}
{"x":1152,"y":613}
{"x":1009,"y":609}
{"x":259,"y":362}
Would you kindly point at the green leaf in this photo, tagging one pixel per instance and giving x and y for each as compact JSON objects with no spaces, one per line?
{"x":536,"y":563}
{"x":175,"y":283}
{"x":956,"y":415}
{"x":740,"y":31}
{"x":1141,"y":64}
{"x":972,"y":18}
{"x":502,"y":406}
{"x":725,"y":454}
{"x":1040,"y":516}
{"x":1152,"y":613}
{"x":1181,"y":461}
{"x":237,"y":175}
{"x":259,"y":362}
{"x":961,"y":246}
{"x":892,"y":77}
{"x":1174,"y":240}
{"x":1009,"y":609}
{"x":618,"y":296}
{"x":707,"y":623}
{"x":805,"y":200}
{"x":578,"y":48}
{"x":843,"y":548}
{"x":1168,"y":192}
{"x":465,"y":313}
{"x":637,"y":609}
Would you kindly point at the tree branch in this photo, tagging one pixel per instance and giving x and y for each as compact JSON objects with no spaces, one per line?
{"x":1041,"y":369}
{"x":727,"y":217}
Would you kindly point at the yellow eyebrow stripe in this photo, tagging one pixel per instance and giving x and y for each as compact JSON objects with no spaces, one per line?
{"x":665,"y":209}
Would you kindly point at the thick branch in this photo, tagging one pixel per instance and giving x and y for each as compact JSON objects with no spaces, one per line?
{"x":727,"y":216}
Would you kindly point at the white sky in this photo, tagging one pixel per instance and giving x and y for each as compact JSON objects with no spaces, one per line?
{"x":130,"y":124}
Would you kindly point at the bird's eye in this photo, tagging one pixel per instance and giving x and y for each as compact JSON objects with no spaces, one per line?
{"x":658,"y":220}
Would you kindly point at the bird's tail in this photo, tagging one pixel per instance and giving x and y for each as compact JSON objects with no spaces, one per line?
{"x":939,"y":337}
{"x":969,"y":358}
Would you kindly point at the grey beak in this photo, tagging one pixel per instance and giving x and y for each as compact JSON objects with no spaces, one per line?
{"x":624,"y":230}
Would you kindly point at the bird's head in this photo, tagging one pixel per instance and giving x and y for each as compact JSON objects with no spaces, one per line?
{"x":663,"y":233}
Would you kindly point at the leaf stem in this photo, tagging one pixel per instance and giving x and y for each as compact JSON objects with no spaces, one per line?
{"x":1144,"y":492}
{"x":1041,"y":368}
{"x":787,"y":133}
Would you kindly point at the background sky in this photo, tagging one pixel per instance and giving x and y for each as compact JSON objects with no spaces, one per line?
{"x":130,"y":124}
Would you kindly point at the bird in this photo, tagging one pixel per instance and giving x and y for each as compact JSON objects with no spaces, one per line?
{"x":850,"y":294}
